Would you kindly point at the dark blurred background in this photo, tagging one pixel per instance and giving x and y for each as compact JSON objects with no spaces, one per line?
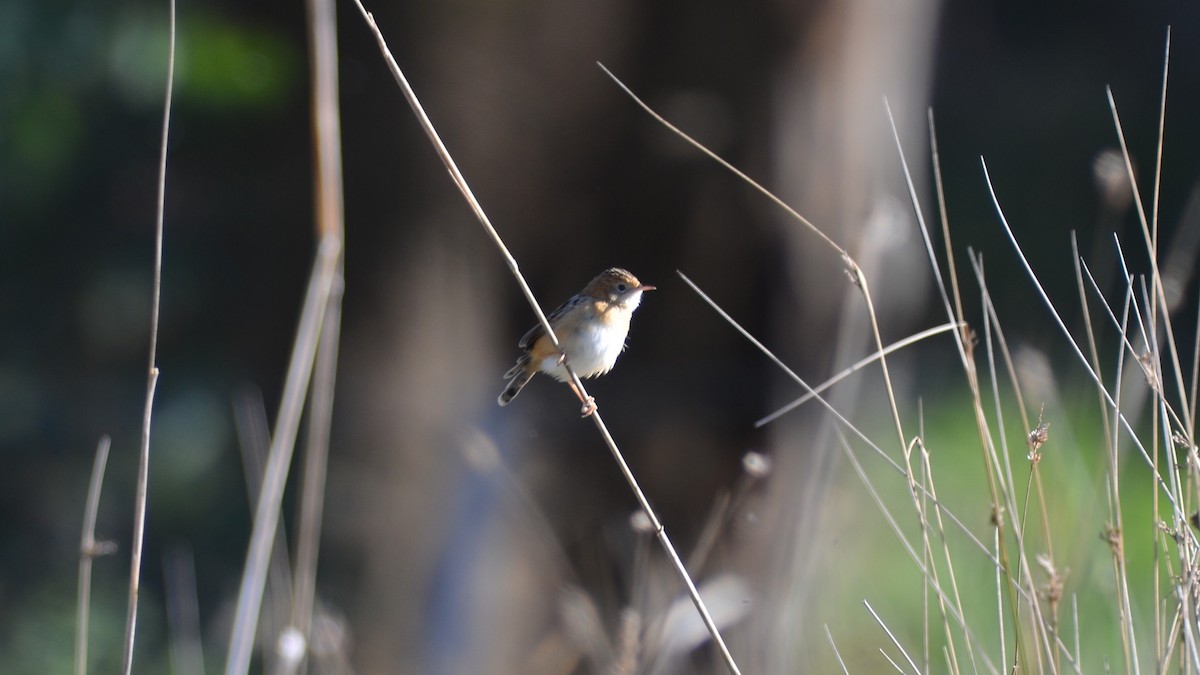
{"x":429,"y":559}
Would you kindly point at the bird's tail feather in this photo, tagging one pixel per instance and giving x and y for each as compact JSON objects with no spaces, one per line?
{"x":515,"y":385}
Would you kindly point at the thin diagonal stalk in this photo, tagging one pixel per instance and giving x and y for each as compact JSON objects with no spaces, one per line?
{"x":88,"y":551}
{"x":959,"y":315}
{"x":464,"y":188}
{"x":892,"y":637}
{"x":859,"y":365}
{"x":312,"y":493}
{"x":836,"y":653}
{"x":992,"y":326}
{"x":283,"y":443}
{"x":944,"y":217}
{"x":143,"y":475}
{"x":254,"y":442}
{"x":852,"y":269}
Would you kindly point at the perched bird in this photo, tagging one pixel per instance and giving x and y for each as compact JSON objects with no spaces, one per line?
{"x":591,"y":328}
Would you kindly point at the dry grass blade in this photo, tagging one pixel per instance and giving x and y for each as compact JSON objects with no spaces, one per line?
{"x":283,"y":442}
{"x":312,"y":491}
{"x":254,"y":442}
{"x":836,"y":653}
{"x":468,"y":194}
{"x":895,"y":666}
{"x":912,"y":664}
{"x":862,"y":363}
{"x":89,"y":550}
{"x":925,"y":238}
{"x":718,"y":159}
{"x":951,"y":266}
{"x":143,"y":476}
{"x":954,"y":315}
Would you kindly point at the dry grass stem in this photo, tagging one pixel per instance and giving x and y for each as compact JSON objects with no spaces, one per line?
{"x":836,"y":653}
{"x":852,"y":268}
{"x":464,"y":188}
{"x":719,"y":160}
{"x":266,"y":518}
{"x":912,"y":664}
{"x":312,"y":491}
{"x":143,"y":475}
{"x":89,"y":550}
{"x":859,"y":365}
{"x":254,"y":442}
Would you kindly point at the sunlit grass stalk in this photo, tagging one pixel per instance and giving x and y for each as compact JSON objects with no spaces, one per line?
{"x":879,"y":620}
{"x":836,"y":653}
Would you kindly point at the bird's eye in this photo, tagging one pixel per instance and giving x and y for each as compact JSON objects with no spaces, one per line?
{"x":621,"y":288}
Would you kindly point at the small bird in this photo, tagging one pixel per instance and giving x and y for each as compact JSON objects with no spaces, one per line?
{"x":591,"y":328}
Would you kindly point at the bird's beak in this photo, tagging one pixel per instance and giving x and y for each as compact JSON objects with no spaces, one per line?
{"x":646,"y":287}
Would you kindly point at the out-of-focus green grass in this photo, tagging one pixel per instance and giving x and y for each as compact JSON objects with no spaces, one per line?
{"x":862,"y":559}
